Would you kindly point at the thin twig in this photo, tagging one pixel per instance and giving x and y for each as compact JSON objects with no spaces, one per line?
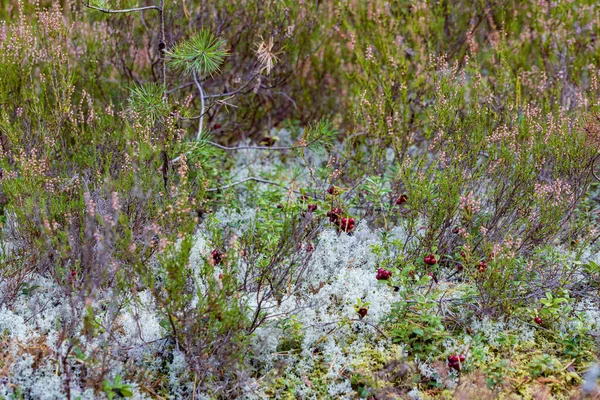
{"x":122,"y":11}
{"x":179,"y":87}
{"x":202,"y":106}
{"x":252,"y":178}
{"x":594,"y":160}
{"x":273,"y":148}
{"x":256,"y":147}
{"x":163,"y":39}
{"x":210,"y":96}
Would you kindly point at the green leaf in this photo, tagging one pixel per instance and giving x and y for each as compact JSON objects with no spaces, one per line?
{"x":418,"y":331}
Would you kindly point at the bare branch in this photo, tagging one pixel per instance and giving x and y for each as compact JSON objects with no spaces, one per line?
{"x":202,"y":104}
{"x":257,"y":147}
{"x":252,"y":178}
{"x":210,"y":96}
{"x":123,"y":11}
{"x":179,"y":87}
{"x":213,"y":96}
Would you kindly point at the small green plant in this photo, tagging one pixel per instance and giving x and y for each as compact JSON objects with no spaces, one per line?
{"x":361,"y":385}
{"x":292,"y":335}
{"x":418,"y":327}
{"x":361,"y":308}
{"x":576,"y":341}
{"x":117,"y":388}
{"x":496,"y":373}
{"x":542,"y":365}
{"x":554,"y":308}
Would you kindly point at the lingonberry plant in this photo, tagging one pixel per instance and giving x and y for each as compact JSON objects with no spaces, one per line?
{"x":244,"y":199}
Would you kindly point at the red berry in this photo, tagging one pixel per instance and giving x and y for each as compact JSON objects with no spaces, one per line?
{"x":459,"y":267}
{"x":217,"y":126}
{"x":335,"y":214}
{"x":312,"y":207}
{"x":454,"y":365}
{"x":332,"y":190}
{"x":401,"y":200}
{"x":346,"y":224}
{"x":309,"y":247}
{"x":453,"y":358}
{"x":217,"y":256}
{"x":383,"y":275}
{"x":363,"y":311}
{"x":538,"y":320}
{"x":482,"y":266}
{"x":462,"y":358}
{"x":429,"y":259}
{"x":463,"y":254}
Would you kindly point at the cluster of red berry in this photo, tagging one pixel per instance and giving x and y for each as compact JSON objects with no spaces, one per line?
{"x":482,"y":266}
{"x":312,"y":207}
{"x":344,"y":224}
{"x":430,"y":259}
{"x":218,"y":256}
{"x":383,"y":274}
{"x":335,"y":215}
{"x":455,"y":361}
{"x":401,"y":200}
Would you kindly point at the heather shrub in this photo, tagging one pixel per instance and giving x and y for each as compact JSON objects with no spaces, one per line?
{"x":244,"y":199}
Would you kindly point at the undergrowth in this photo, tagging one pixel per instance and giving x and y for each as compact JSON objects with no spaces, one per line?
{"x":282,"y":199}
